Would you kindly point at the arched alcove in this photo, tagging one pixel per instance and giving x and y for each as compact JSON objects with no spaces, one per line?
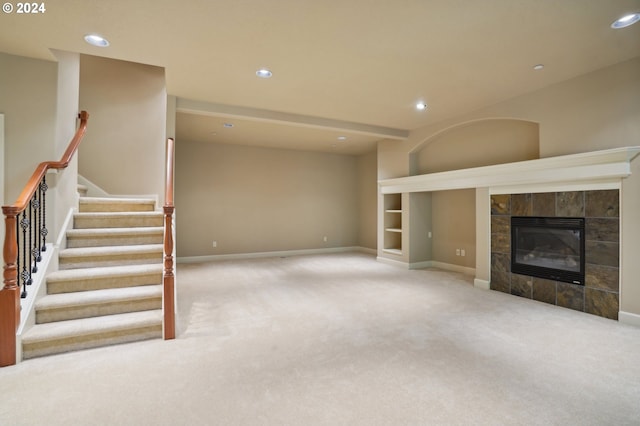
{"x":477,"y":143}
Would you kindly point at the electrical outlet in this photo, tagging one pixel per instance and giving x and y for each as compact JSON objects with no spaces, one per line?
{"x":457,"y":252}
{"x":215,"y":244}
{"x":429,"y":234}
{"x":462,"y":253}
{"x":324,"y":238}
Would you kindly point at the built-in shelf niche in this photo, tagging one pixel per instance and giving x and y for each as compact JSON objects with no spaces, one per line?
{"x":393,"y":224}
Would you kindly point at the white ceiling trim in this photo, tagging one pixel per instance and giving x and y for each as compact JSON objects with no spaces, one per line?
{"x":219,"y":110}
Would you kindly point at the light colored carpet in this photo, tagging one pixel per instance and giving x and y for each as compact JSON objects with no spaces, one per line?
{"x":342,"y":340}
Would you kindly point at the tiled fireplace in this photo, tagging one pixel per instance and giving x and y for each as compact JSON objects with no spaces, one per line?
{"x":601,"y":212}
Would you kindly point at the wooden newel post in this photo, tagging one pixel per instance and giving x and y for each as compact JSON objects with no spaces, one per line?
{"x":168,"y":276}
{"x":10,"y":293}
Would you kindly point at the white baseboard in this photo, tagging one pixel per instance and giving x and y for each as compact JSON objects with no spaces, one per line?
{"x":421,"y":265}
{"x":392,"y":262}
{"x":285,"y":253}
{"x":429,"y":264}
{"x":454,"y":268}
{"x":482,"y":284}
{"x":366,"y":250}
{"x":629,"y":318}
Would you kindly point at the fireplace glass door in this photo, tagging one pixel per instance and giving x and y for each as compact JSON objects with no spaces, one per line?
{"x":548,"y":247}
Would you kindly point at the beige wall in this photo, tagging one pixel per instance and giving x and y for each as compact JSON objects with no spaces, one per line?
{"x":66,"y":185}
{"x":454,"y":226}
{"x":479,"y":143}
{"x":420,"y":243}
{"x":252,"y":199}
{"x":392,"y":159}
{"x":124,"y":150}
{"x":367,"y":197}
{"x":28,"y":101}
{"x":595,"y":111}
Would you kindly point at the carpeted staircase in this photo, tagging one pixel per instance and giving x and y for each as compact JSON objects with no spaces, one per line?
{"x":108,"y":288}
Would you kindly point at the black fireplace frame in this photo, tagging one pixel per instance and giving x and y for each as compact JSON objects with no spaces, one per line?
{"x":569,"y":223}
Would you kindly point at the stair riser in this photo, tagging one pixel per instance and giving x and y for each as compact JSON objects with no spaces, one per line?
{"x":119,"y":207}
{"x":116,"y":222}
{"x":77,"y":242}
{"x":93,"y":340}
{"x":103,"y":283}
{"x":98,"y":309}
{"x":110,"y":260}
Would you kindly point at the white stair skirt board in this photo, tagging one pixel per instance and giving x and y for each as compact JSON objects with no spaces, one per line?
{"x":286,"y":253}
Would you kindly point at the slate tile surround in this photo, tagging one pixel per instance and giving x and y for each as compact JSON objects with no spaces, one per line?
{"x":601,"y":210}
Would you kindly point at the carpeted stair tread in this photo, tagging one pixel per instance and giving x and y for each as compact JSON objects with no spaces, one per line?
{"x":106,"y":271}
{"x":65,"y":306}
{"x":65,"y":336}
{"x":98,"y":278}
{"x":87,"y":257}
{"x":62,"y":300}
{"x":116,"y":215}
{"x":114,"y":204}
{"x":106,"y":251}
{"x":117,"y":219}
{"x":115,"y":231}
{"x":95,"y":237}
{"x":85,"y":326}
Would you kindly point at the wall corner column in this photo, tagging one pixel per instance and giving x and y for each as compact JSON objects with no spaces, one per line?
{"x":483,"y":239}
{"x":630,"y":247}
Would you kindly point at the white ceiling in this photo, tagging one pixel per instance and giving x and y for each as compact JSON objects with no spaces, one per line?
{"x":342,"y":63}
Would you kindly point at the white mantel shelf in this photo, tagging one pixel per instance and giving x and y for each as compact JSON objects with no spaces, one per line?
{"x":591,"y":166}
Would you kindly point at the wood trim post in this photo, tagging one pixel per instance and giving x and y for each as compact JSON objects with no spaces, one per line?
{"x":10,"y":293}
{"x":168,"y":277}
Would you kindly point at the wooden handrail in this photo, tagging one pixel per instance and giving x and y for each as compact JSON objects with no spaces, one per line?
{"x":168,"y":275}
{"x":28,"y":191}
{"x":10,"y":292}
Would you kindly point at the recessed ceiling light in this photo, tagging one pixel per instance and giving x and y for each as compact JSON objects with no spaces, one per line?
{"x":538,"y":67}
{"x":342,"y":138}
{"x":264,"y":73}
{"x":625,"y":21}
{"x":96,"y":40}
{"x":421,"y":106}
{"x":227,"y":125}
